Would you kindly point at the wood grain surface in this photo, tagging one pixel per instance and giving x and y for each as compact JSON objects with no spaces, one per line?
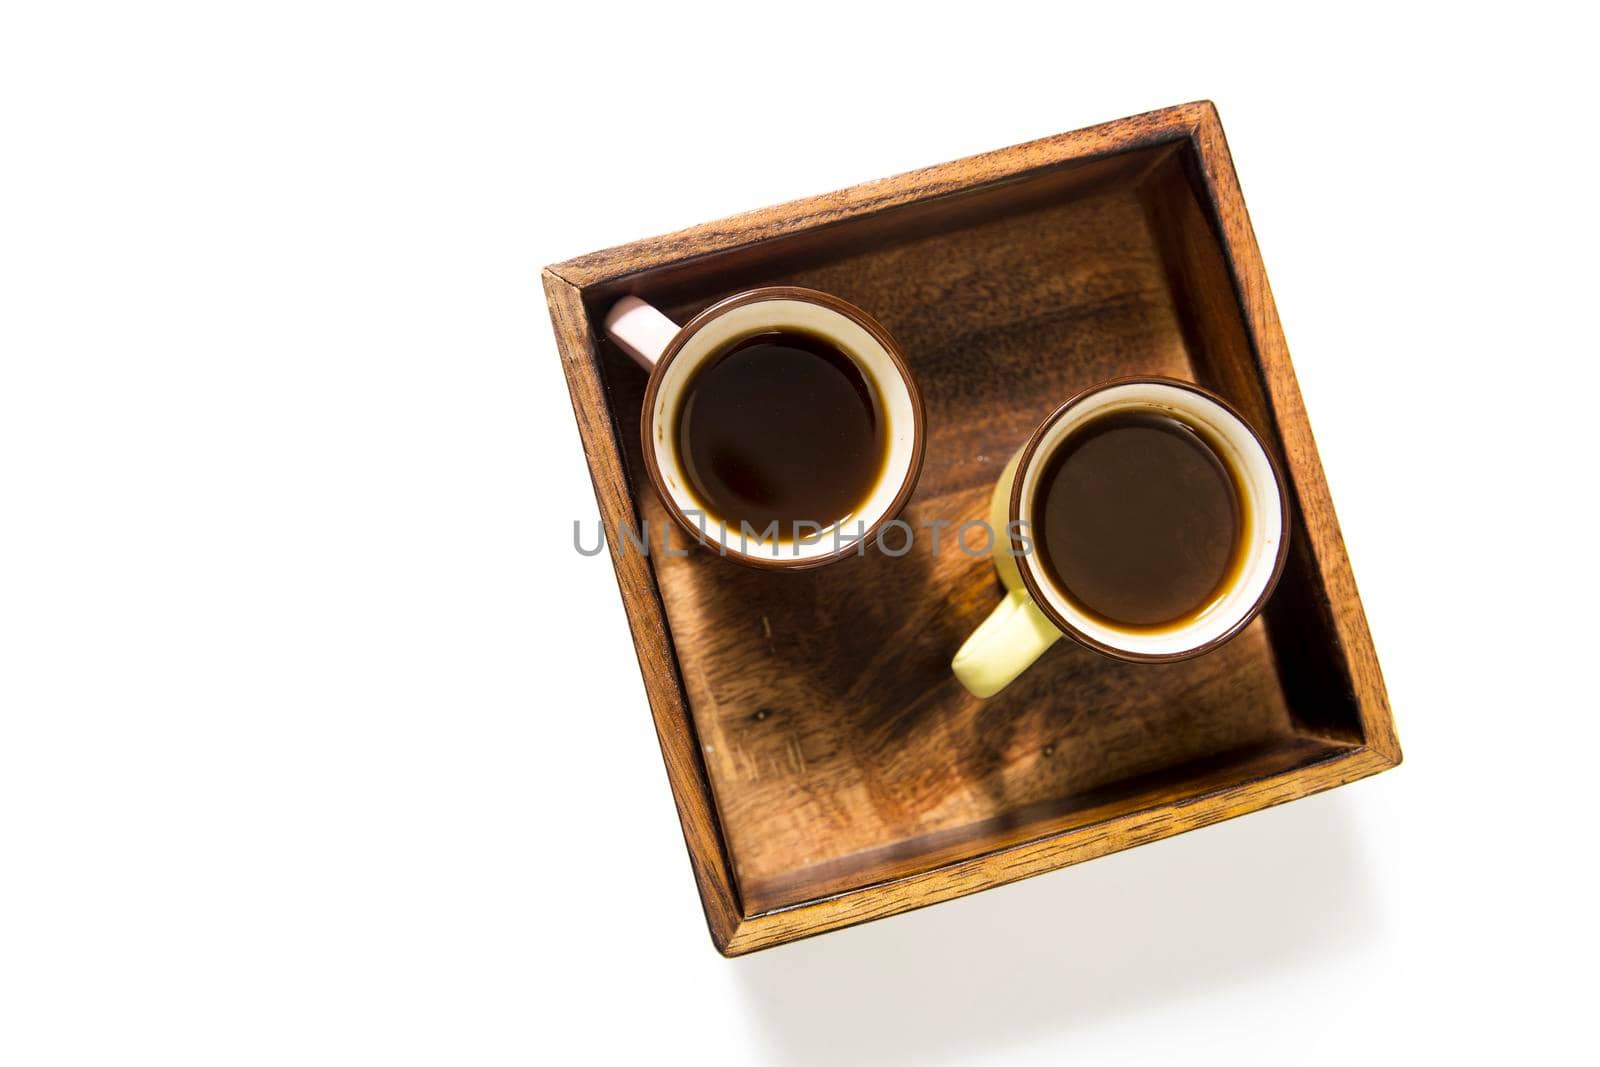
{"x":826,"y":766}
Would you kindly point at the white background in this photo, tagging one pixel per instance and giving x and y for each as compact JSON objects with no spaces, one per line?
{"x":318,"y":743}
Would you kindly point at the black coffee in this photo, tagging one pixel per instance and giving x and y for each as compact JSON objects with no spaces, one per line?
{"x":1138,"y":520}
{"x":781,"y":427}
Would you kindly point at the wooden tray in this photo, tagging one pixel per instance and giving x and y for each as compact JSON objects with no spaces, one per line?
{"x":826,"y":766}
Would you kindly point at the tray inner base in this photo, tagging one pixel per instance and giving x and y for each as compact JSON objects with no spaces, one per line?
{"x":840,"y":750}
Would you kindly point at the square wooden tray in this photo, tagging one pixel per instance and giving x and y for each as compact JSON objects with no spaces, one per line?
{"x":826,"y":766}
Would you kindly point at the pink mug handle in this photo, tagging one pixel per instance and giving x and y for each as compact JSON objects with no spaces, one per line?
{"x":639,"y":330}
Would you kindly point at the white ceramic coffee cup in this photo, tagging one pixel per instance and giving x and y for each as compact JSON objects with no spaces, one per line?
{"x":1036,"y":612}
{"x":673,"y":354}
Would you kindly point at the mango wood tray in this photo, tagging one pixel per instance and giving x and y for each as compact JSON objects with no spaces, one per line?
{"x":826,"y":766}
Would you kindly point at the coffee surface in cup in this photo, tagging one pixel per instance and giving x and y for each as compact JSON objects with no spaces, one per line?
{"x":1138,"y":520}
{"x":781,"y":426}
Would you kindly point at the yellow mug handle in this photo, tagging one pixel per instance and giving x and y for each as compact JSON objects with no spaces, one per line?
{"x":1016,"y":632}
{"x":1006,"y":643}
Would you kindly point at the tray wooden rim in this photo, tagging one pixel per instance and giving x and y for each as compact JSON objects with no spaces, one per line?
{"x":732,"y":931}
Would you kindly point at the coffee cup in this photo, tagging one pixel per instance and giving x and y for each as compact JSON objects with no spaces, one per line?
{"x":781,"y":426}
{"x":1144,"y":519}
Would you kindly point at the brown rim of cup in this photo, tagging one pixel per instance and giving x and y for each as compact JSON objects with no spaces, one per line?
{"x":1036,"y":593}
{"x":810,"y":296}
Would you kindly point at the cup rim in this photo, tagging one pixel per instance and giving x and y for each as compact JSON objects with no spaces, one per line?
{"x":1031,"y":582}
{"x":896,"y":358}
